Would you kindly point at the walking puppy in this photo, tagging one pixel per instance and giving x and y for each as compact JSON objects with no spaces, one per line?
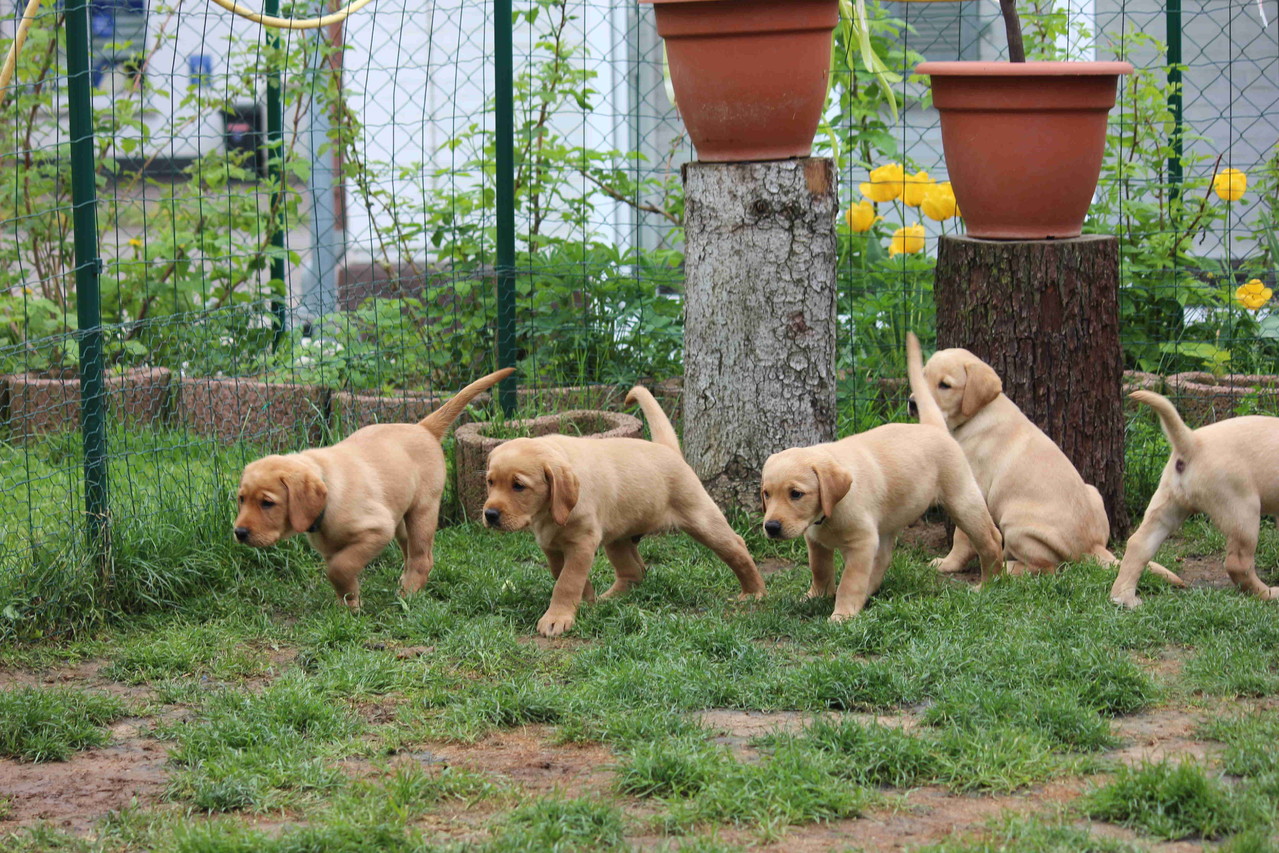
{"x":578,"y":493}
{"x":1229,"y":470}
{"x":856,"y":494}
{"x":381,"y":482}
{"x":1047,"y":513}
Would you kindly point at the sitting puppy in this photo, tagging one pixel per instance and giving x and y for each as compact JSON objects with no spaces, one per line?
{"x":855,"y":494}
{"x":382,"y":482}
{"x":579,"y":493}
{"x":1229,"y":470}
{"x":1047,"y":513}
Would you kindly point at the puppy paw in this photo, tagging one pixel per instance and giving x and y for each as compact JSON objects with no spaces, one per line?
{"x":842,"y":617}
{"x":552,"y":624}
{"x":616,"y":589}
{"x":816,"y":592}
{"x":757,"y":595}
{"x":940,"y":564}
{"x":1271,"y":594}
{"x":1126,"y":599}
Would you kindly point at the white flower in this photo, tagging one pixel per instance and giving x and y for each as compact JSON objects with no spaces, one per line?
{"x":306,"y":342}
{"x":304,"y":359}
{"x":226,"y":340}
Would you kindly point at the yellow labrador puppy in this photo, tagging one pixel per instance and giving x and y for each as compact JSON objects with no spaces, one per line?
{"x":856,"y":494}
{"x":1229,"y":470}
{"x":1046,"y":512}
{"x":576,"y":494}
{"x":382,"y":482}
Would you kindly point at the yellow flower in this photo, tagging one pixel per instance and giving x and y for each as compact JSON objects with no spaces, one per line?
{"x":939,"y":202}
{"x":886,"y":183}
{"x":861,"y":217}
{"x":1253,"y":295}
{"x":1230,"y":184}
{"x":916,"y":187}
{"x":907,"y":241}
{"x":135,"y":242}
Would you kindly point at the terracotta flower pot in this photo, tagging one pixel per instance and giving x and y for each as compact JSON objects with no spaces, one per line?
{"x":749,"y":75}
{"x":276,"y":415}
{"x":474,"y":445}
{"x":39,"y":404}
{"x":1024,"y":141}
{"x":1203,"y":398}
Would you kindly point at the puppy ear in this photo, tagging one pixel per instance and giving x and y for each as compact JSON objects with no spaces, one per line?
{"x":982,"y":385}
{"x":833,"y":482}
{"x":307,"y":495}
{"x":564,"y":490}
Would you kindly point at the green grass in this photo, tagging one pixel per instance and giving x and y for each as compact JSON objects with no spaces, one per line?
{"x":343,"y":731}
{"x":49,"y":724}
{"x":1175,"y":801}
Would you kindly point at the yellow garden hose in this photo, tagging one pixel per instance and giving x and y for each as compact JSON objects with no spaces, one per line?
{"x":33,"y":6}
{"x":11,"y":61}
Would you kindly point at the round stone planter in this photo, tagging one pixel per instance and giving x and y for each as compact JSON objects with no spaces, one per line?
{"x":475,"y":441}
{"x":274,"y":415}
{"x":1204,"y":398}
{"x":37,"y":404}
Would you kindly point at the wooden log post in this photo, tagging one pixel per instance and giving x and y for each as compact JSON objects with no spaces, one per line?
{"x":1045,"y":315}
{"x":759,"y":317}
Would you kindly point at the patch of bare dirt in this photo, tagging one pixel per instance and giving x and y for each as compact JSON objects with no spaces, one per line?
{"x":527,"y":758}
{"x":1160,"y":734}
{"x":1202,"y":571}
{"x":927,"y":536}
{"x":82,"y":676}
{"x":736,"y":729}
{"x":75,"y":794}
{"x":773,"y":565}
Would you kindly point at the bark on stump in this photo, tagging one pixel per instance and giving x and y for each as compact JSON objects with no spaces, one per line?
{"x":1045,"y":315}
{"x":759,"y":317}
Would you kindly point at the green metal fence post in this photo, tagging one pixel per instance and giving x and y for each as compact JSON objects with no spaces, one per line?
{"x":503,"y":71}
{"x":84,"y":219}
{"x":1172,"y":22}
{"x":275,"y":168}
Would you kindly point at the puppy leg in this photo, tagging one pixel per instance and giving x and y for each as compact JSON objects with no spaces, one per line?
{"x":628,"y":567}
{"x":1029,"y":553}
{"x":964,"y":503}
{"x":1162,"y":517}
{"x":570,"y":584}
{"x":1241,"y":524}
{"x":821,"y":562}
{"x":555,"y":562}
{"x":855,"y":585}
{"x":961,"y":554}
{"x":705,"y":523}
{"x":345,"y":565}
{"x":418,"y":545}
{"x":883,"y":558}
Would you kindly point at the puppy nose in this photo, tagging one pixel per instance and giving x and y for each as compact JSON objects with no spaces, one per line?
{"x":492,"y":516}
{"x":242,"y":533}
{"x":772,"y":528}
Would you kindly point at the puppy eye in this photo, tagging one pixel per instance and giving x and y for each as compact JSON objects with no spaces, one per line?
{"x":945,"y":386}
{"x":240,"y":499}
{"x":490,"y":481}
{"x":517,"y":486}
{"x":765,"y":495}
{"x":796,"y":494}
{"x":268,"y":504}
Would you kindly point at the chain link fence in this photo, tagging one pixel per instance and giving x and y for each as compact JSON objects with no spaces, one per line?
{"x":296,"y":233}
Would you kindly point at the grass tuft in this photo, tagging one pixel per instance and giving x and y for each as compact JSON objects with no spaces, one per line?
{"x":49,"y":724}
{"x":1175,"y":801}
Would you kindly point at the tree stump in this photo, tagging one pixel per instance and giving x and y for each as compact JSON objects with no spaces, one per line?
{"x":759,"y":317}
{"x":1045,"y":315}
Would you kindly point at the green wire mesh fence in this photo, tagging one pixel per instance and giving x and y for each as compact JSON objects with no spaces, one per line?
{"x":282,"y":264}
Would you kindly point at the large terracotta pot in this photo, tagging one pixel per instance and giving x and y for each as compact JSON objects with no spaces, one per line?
{"x":36,"y":404}
{"x":749,"y":75}
{"x":1024,"y":141}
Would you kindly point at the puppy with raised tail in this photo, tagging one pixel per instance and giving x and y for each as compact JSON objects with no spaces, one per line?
{"x":351,"y":499}
{"x":1047,"y":513}
{"x":856,"y":494}
{"x":1229,"y":470}
{"x":576,"y":494}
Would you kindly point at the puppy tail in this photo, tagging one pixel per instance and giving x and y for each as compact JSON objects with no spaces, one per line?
{"x":658,"y":424}
{"x":1180,"y":436}
{"x":1106,"y":558}
{"x":929,"y":412}
{"x":439,"y":421}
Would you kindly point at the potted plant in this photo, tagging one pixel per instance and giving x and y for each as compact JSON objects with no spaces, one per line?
{"x":1023,"y":141}
{"x":749,"y":77}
